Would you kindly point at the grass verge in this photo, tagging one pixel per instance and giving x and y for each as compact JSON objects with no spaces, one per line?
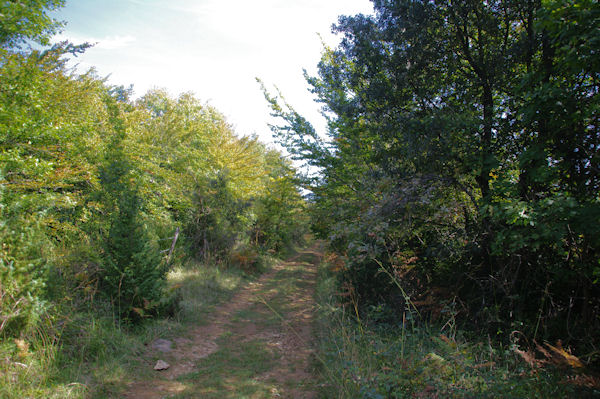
{"x":89,"y":355}
{"x":371,"y":358}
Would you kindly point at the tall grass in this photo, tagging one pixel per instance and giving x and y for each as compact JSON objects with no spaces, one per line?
{"x":88,"y":353}
{"x":379,"y":355}
{"x":28,"y":366}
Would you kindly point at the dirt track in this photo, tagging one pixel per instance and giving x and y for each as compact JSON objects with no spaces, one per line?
{"x":258,"y":345}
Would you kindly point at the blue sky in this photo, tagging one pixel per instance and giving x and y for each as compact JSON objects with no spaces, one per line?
{"x":214,"y":48}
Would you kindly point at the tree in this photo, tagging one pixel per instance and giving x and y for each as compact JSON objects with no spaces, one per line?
{"x":279,"y":210}
{"x":23,"y":20}
{"x":462,"y":146}
{"x":47,"y":125}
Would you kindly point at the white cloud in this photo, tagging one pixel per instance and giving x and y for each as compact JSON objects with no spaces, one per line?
{"x":104,"y":43}
{"x":115,"y":42}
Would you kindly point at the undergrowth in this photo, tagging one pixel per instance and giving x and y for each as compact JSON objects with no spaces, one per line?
{"x":88,"y":354}
{"x":368,"y":354}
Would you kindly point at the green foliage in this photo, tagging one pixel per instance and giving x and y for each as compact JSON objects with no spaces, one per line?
{"x":23,"y":270}
{"x":279,"y":211}
{"x":45,"y":173}
{"x":27,"y":20}
{"x":216,"y":221}
{"x":376,"y":357}
{"x":214,"y":184}
{"x":462,"y":156}
{"x":133,"y":274}
{"x":93,"y":185}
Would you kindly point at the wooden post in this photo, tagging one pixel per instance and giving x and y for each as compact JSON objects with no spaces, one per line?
{"x":173,"y":245}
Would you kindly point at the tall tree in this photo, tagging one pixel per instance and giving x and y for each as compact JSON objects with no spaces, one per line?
{"x":463,"y":137}
{"x":23,"y":20}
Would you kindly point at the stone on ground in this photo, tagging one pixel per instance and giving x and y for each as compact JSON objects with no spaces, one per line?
{"x":161,"y":365}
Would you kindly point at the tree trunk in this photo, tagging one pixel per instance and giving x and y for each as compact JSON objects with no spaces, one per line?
{"x":483,"y":179}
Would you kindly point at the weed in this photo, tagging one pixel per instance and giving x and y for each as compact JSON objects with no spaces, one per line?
{"x":375,"y":359}
{"x":231,"y":371}
{"x":88,"y":354}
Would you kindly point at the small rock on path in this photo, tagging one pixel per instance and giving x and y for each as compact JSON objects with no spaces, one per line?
{"x":290,"y":339}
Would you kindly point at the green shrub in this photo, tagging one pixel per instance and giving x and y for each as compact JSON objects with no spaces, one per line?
{"x":133,"y":275}
{"x":23,"y":267}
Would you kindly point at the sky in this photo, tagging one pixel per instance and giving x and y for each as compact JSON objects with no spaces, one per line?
{"x":214,"y":48}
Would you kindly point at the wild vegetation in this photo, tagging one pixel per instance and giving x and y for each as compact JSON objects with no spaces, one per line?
{"x":101,"y":195}
{"x":456,"y":188}
{"x":458,"y":178}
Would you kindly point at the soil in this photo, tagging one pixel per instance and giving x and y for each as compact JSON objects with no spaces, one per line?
{"x":276,"y":311}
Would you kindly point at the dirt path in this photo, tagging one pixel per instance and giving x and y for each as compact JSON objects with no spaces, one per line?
{"x":258,"y":345}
